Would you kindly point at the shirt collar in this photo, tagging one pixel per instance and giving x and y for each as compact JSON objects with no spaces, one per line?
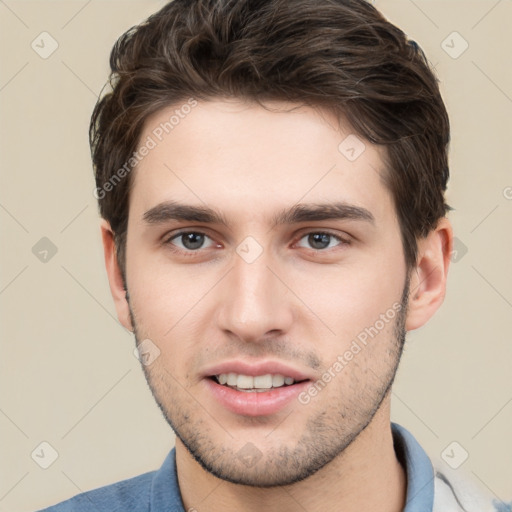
{"x":165,"y":490}
{"x":418,"y":468}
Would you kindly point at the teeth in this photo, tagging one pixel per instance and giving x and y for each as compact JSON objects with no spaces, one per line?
{"x":263,"y":381}
{"x":245,"y":382}
{"x":267,"y":381}
{"x":277,"y":381}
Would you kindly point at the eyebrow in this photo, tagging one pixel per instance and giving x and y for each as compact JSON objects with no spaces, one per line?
{"x":172,"y":210}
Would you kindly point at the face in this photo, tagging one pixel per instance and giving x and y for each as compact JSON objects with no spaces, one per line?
{"x":265,"y":270}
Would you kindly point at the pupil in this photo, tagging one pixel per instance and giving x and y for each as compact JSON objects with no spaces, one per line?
{"x":319,"y":240}
{"x":192,"y":240}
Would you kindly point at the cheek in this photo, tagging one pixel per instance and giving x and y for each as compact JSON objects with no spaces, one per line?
{"x":161,"y":294}
{"x":349,"y":299}
{"x":168,"y":305}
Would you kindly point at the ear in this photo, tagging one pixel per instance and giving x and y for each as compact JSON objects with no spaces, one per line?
{"x":428,"y":278}
{"x":114,"y":276}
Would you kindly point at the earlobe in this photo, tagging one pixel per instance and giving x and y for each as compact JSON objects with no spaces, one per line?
{"x":119,"y":294}
{"x":428,"y":278}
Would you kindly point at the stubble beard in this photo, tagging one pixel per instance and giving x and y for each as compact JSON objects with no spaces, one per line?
{"x":326,"y":435}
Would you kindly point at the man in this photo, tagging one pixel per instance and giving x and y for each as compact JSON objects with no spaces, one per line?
{"x":271,"y":176}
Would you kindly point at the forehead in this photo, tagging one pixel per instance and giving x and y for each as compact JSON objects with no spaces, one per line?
{"x":229,"y":152}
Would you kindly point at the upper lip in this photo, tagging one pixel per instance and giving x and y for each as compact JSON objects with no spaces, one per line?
{"x":256,"y":368}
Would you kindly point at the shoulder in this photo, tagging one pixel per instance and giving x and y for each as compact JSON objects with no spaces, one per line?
{"x":156,"y":491}
{"x":456,"y":491}
{"x":433,"y":485}
{"x":132,"y":494}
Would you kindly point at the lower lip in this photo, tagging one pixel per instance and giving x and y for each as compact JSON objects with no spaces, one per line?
{"x":255,"y":403}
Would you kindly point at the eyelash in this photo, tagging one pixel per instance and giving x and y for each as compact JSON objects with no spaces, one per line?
{"x":190,"y":252}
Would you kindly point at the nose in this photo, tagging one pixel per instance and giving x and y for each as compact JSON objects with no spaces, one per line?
{"x":255,"y":300}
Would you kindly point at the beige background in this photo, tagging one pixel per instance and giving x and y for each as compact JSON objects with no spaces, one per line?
{"x":68,"y":373}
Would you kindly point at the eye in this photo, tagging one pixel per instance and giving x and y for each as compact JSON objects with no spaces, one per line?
{"x":319,"y":240}
{"x":189,"y":241}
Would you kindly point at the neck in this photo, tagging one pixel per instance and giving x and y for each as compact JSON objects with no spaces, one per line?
{"x":366,"y":476}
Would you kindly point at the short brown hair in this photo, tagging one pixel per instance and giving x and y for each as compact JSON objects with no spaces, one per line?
{"x":341,"y":55}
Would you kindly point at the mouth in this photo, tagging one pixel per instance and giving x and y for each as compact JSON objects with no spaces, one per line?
{"x":254,"y":384}
{"x":258,"y":389}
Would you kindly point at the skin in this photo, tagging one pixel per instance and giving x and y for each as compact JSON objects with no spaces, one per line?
{"x":296,"y":303}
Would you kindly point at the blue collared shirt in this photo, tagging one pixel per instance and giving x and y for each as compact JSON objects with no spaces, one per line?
{"x":158,"y":491}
